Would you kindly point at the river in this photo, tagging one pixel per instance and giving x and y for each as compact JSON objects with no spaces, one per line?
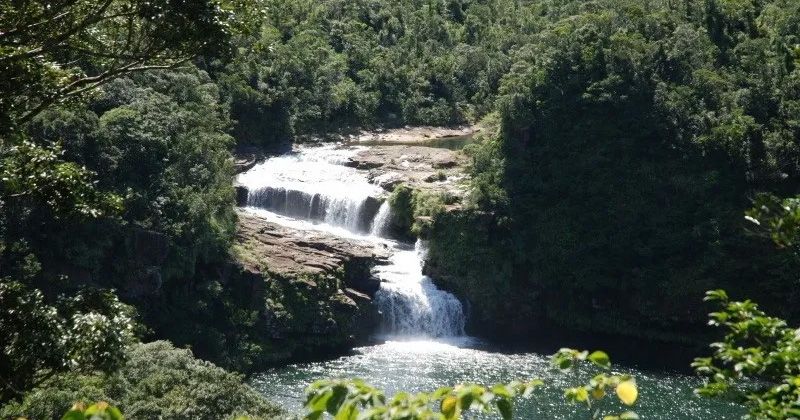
{"x":423,"y":345}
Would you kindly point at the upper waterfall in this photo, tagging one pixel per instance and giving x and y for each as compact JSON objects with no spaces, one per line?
{"x":313,"y":184}
{"x":312,"y":188}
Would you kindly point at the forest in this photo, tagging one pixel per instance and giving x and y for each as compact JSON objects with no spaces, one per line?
{"x":632,"y":156}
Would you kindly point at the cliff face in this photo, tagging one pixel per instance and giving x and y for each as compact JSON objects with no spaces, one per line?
{"x":313,"y":291}
{"x":283,"y":295}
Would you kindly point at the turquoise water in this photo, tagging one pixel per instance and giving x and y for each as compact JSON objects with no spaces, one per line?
{"x":426,"y":365}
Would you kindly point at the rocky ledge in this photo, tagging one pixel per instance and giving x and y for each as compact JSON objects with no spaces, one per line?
{"x":411,"y":135}
{"x":266,"y":247}
{"x":313,"y":291}
{"x":416,"y":166}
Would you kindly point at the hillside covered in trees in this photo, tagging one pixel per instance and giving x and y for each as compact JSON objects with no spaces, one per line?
{"x":621,"y":144}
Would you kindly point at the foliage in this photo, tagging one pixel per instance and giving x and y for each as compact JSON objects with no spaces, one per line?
{"x":632,"y":135}
{"x":414,"y":209}
{"x":345,"y":399}
{"x":401,"y":201}
{"x":40,"y":175}
{"x":319,"y":66}
{"x":97,"y":411}
{"x":83,"y":332}
{"x":72,"y":196}
{"x":156,"y":381}
{"x":53,"y":51}
{"x":758,"y":360}
{"x":353,"y":399}
{"x":779,"y":218}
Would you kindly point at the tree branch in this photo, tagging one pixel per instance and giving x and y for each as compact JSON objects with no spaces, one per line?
{"x":88,"y":83}
{"x":91,"y":19}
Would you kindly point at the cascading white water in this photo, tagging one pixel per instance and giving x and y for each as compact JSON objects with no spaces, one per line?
{"x":313,"y":185}
{"x":411,"y":303}
{"x":381,"y":222}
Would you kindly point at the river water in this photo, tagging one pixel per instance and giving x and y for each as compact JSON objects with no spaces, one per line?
{"x":424,"y":346}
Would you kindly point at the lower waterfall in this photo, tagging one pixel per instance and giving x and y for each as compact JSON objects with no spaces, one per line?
{"x":410,"y":302}
{"x":313,"y":185}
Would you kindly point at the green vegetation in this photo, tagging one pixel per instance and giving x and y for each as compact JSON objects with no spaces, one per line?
{"x":413,"y":209}
{"x":156,"y":381}
{"x":86,"y":331}
{"x":625,"y":141}
{"x":631,"y":137}
{"x":757,"y":362}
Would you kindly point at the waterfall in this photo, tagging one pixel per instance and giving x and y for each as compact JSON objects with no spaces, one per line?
{"x":381,"y":222}
{"x":313,"y":185}
{"x":348,"y":212}
{"x":410,"y":302}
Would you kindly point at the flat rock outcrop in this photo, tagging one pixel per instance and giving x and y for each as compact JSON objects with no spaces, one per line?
{"x":290,"y":253}
{"x":412,"y":135}
{"x":416,"y":166}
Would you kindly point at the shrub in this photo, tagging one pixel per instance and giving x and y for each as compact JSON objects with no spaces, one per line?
{"x":157,"y":381}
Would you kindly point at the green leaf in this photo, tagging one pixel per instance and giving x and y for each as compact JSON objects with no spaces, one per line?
{"x":629,"y":415}
{"x":320,"y":401}
{"x":338,"y":395}
{"x":347,"y":412}
{"x":502,"y":391}
{"x":74,"y":415}
{"x":601,"y":359}
{"x":466,"y":401}
{"x":314,"y":415}
{"x":450,"y":407}
{"x":114,"y":413}
{"x":505,"y":408}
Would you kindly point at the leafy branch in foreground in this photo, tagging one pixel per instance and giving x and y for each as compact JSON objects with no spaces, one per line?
{"x":98,"y":411}
{"x":778,"y":217}
{"x":352,"y":399}
{"x":757,"y":362}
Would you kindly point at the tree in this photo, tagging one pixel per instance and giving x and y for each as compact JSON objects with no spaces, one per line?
{"x":87,"y":331}
{"x":757,"y":362}
{"x":156,"y":380}
{"x":53,"y":51}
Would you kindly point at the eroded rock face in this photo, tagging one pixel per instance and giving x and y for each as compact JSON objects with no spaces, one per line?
{"x":285,"y":252}
{"x":317,"y":288}
{"x":241,"y":195}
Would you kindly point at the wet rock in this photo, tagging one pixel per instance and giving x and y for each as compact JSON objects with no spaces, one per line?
{"x":368,"y":211}
{"x":244,"y":161}
{"x":436,"y":177}
{"x":413,"y":135}
{"x":416,"y":166}
{"x":444,"y":162}
{"x":241,"y":195}
{"x":388,"y":181}
{"x":366,"y":163}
